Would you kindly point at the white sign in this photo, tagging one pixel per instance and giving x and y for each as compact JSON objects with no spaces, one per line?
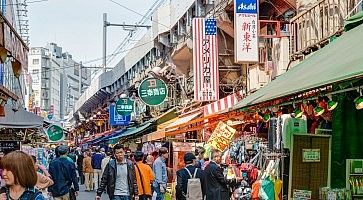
{"x":205,"y":60}
{"x":246,"y":31}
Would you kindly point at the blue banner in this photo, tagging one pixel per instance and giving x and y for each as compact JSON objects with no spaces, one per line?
{"x":246,"y":6}
{"x":116,"y":119}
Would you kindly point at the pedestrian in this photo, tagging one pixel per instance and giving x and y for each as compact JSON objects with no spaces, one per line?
{"x":199,"y":151}
{"x":80,"y":158}
{"x":150,"y":160}
{"x":72,"y":155}
{"x":64,"y":175}
{"x":106,"y":160}
{"x":97,"y":168}
{"x":215,"y":182}
{"x":20,"y":177}
{"x":43,"y":179}
{"x":183,"y":175}
{"x":88,"y":171}
{"x":160,"y":171}
{"x":144,"y":176}
{"x":119,"y":177}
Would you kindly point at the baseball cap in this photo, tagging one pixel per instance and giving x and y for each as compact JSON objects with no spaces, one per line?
{"x":189,"y":157}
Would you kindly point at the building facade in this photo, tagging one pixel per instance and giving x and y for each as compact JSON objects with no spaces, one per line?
{"x":56,"y":81}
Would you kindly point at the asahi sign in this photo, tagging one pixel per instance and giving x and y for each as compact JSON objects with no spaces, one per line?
{"x":246,"y":31}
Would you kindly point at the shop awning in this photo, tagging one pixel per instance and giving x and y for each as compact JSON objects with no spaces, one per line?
{"x":223,"y":104}
{"x":354,"y":21}
{"x":160,"y":133}
{"x":341,"y":60}
{"x":147,"y":127}
{"x":20,"y":119}
{"x":183,"y":120}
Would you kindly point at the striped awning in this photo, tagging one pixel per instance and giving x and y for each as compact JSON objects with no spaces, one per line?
{"x":223,"y":104}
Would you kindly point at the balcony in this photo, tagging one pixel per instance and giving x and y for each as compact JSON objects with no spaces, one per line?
{"x":312,"y":29}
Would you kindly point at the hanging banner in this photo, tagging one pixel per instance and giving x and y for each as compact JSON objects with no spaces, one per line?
{"x":55,"y":133}
{"x":246,"y":31}
{"x":221,"y":136}
{"x":205,"y":60}
{"x":117,"y":119}
{"x":153,"y":91}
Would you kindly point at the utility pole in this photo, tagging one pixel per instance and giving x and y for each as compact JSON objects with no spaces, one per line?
{"x":104,"y":41}
{"x":80,"y":79}
{"x":127,"y":27}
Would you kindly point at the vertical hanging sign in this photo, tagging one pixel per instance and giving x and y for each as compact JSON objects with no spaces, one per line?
{"x":205,"y":60}
{"x":246,"y":31}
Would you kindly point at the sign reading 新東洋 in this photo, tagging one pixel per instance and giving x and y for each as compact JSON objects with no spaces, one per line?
{"x":205,"y":60}
{"x":116,"y":119}
{"x":246,"y":31}
{"x":311,"y":155}
{"x":55,"y":133}
{"x":124,"y":106}
{"x":153,"y":91}
{"x":222,"y":136}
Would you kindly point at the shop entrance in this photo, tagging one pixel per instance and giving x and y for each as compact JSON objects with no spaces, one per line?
{"x":310,"y":164}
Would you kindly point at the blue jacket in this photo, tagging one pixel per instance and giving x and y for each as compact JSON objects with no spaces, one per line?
{"x":63,"y":173}
{"x":97,"y":160}
{"x":160,"y":171}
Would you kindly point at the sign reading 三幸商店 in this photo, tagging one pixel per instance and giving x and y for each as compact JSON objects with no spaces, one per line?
{"x":124,"y":106}
{"x":153,"y":91}
{"x":205,"y":59}
{"x":55,"y":133}
{"x":246,"y":31}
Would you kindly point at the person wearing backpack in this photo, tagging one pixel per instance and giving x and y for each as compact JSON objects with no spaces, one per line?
{"x":189,"y":180}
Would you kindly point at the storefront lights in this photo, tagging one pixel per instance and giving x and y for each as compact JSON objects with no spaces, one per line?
{"x":332,"y":105}
{"x":359,"y":103}
{"x":318,"y":111}
{"x":298,"y":113}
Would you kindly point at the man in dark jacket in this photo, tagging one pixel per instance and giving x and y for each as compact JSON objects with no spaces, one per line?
{"x":119,"y":177}
{"x":80,"y":158}
{"x":183,"y":175}
{"x":215,"y":182}
{"x":63,"y":173}
{"x":97,"y":167}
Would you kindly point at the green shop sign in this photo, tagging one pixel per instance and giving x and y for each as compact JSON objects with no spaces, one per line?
{"x":55,"y":133}
{"x":124,"y":106}
{"x":153,"y":91}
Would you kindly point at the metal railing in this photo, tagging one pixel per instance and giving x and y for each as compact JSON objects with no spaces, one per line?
{"x":313,"y":28}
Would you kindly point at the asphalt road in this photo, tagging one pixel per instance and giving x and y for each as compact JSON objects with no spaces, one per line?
{"x":83,"y":195}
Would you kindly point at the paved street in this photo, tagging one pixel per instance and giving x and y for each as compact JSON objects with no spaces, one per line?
{"x":83,"y":195}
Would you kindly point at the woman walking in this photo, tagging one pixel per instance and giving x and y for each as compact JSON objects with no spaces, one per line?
{"x":20,"y":177}
{"x":88,"y":171}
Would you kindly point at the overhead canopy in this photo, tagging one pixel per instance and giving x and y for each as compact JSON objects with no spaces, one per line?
{"x":20,"y":119}
{"x":354,"y":21}
{"x":145,"y":128}
{"x":160,"y":133}
{"x":183,"y":120}
{"x":341,"y":60}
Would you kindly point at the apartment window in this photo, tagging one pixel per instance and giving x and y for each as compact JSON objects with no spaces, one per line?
{"x":35,"y":61}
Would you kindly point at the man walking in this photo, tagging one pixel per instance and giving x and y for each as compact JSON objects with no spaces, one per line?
{"x":64,"y":175}
{"x":144,"y":177}
{"x":161,"y":176}
{"x":190,"y":171}
{"x":215,"y":183}
{"x":119,"y":177}
{"x":80,"y":158}
{"x":97,"y":167}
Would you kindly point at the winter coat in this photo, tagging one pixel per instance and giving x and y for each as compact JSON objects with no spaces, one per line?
{"x":215,"y":183}
{"x":109,"y":179}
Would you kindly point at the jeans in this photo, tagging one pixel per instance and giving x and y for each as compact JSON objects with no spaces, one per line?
{"x":118,"y":197}
{"x":160,"y":196}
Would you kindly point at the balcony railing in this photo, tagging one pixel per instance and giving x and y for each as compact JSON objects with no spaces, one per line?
{"x":313,"y":28}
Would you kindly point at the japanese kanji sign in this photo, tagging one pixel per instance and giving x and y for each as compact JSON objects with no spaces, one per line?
{"x":124,"y":106}
{"x":55,"y":133}
{"x":116,"y":119}
{"x":152,"y":91}
{"x":222,"y":136}
{"x":205,"y":60}
{"x":246,"y":31}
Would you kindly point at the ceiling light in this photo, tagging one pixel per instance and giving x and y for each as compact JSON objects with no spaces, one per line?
{"x":318,"y":111}
{"x":298,"y":113}
{"x":358,"y":103}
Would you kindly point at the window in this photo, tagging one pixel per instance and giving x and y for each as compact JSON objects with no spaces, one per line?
{"x":35,"y":61}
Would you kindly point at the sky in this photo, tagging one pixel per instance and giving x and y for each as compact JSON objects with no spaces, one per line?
{"x":76,"y":25}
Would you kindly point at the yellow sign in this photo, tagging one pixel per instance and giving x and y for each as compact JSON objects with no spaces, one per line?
{"x":221,"y":136}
